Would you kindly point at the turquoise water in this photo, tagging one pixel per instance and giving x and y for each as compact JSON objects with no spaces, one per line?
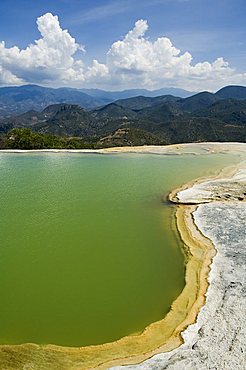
{"x":88,"y":248}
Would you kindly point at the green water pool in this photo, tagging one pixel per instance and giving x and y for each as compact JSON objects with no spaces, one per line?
{"x":89,"y":251}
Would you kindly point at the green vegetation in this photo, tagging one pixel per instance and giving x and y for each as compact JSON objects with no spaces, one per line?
{"x":24,"y":138}
{"x":130,"y":137}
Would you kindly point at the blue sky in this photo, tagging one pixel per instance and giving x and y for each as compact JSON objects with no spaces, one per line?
{"x":206,"y":29}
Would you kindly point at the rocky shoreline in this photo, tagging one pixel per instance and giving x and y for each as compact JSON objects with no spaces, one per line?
{"x":217,"y":340}
{"x":174,"y":149}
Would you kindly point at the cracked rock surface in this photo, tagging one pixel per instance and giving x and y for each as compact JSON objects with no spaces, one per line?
{"x":224,"y":189}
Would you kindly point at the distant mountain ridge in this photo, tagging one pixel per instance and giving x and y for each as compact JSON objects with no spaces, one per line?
{"x":131,"y":93}
{"x":144,"y":120}
{"x":16,"y":100}
{"x":20,"y":99}
{"x":232,"y":92}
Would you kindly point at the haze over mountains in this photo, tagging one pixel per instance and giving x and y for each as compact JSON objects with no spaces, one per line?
{"x":16,"y":100}
{"x":133,"y":120}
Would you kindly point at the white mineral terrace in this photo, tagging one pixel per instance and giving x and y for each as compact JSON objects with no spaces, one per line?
{"x":218,"y":338}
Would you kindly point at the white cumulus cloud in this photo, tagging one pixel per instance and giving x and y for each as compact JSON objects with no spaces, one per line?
{"x":134,"y":61}
{"x":8,"y":78}
{"x":160,"y":63}
{"x":49,"y":59}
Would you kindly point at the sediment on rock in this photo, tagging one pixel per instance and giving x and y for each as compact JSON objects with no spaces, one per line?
{"x":218,"y":338}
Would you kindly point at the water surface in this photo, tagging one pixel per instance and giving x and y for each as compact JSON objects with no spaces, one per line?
{"x":89,"y":252}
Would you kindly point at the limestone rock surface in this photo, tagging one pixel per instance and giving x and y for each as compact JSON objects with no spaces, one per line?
{"x":218,"y":338}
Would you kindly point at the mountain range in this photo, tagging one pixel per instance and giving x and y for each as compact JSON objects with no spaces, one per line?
{"x":139,"y":120}
{"x":20,"y":99}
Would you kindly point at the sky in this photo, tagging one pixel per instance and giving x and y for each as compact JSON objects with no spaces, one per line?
{"x":114,"y":45}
